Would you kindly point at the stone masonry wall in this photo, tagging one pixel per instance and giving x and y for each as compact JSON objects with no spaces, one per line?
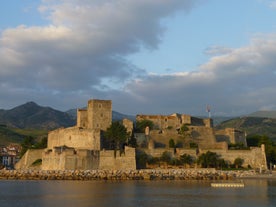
{"x":126,"y":161}
{"x":75,"y":137}
{"x":28,"y":158}
{"x":69,"y":159}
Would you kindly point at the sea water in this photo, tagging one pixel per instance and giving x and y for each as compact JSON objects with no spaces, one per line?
{"x":18,"y":193}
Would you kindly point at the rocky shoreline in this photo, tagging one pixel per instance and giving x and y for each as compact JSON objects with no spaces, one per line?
{"x":144,"y":174}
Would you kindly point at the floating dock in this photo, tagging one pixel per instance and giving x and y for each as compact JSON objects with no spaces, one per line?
{"x":227,"y":185}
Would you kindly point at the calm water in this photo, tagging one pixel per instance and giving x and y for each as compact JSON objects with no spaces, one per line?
{"x":135,"y":193}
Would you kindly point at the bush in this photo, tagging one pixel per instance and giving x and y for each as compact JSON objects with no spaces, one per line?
{"x":166,"y":157}
{"x":171,"y":143}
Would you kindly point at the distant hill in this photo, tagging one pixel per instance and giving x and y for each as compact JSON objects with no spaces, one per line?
{"x":252,"y":125}
{"x":264,"y":114}
{"x":31,"y":115}
{"x":116,"y":116}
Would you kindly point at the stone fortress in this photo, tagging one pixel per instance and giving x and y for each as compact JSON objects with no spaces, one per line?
{"x":199,"y":137}
{"x":81,"y":147}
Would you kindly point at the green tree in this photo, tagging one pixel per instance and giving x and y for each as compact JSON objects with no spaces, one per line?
{"x":141,"y":125}
{"x":171,"y":143}
{"x":186,"y":159}
{"x":132,"y":142}
{"x":184,"y":130}
{"x":166,"y":157}
{"x":42,"y":144}
{"x":28,"y":143}
{"x":209,"y":159}
{"x":238,"y":162}
{"x":116,"y":134}
{"x":270,"y":148}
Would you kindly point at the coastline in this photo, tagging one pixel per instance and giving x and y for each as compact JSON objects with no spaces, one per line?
{"x":143,"y":174}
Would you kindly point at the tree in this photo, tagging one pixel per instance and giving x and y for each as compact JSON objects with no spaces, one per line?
{"x":270,"y":149}
{"x":166,"y":157}
{"x":141,"y":125}
{"x":186,"y":159}
{"x":132,"y":142}
{"x":238,"y":162}
{"x":28,"y":143}
{"x":184,"y":130}
{"x":116,"y":134}
{"x":171,"y":143}
{"x":209,"y":159}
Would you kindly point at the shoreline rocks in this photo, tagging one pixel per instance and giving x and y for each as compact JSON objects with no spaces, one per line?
{"x":143,"y":174}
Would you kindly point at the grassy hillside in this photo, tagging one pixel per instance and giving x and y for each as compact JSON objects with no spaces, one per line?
{"x":13,"y":135}
{"x":252,"y":125}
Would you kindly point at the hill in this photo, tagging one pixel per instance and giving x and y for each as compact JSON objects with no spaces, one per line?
{"x":264,"y":114}
{"x":32,"y":116}
{"x":252,"y":125}
{"x":116,"y":116}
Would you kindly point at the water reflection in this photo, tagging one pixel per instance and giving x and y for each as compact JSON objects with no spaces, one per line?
{"x":135,"y":193}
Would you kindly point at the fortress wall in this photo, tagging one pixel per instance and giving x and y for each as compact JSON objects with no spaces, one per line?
{"x":255,"y":157}
{"x":231,"y":135}
{"x":126,"y":161}
{"x":28,"y":158}
{"x":75,"y":137}
{"x":69,"y":159}
{"x":204,"y":136}
{"x":161,"y":121}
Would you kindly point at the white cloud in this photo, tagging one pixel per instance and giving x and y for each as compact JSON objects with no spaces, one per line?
{"x":272,"y":4}
{"x":238,"y":82}
{"x":83,"y":47}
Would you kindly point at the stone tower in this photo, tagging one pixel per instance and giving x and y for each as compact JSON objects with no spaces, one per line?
{"x":99,"y":114}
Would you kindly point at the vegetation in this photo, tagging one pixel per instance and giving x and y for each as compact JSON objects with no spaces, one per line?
{"x":185,"y":131}
{"x":238,"y":146}
{"x":238,"y":162}
{"x":141,"y":125}
{"x":186,"y":159}
{"x":132,"y":142}
{"x":37,"y":162}
{"x":252,"y":126}
{"x":270,"y":147}
{"x":117,"y":136}
{"x":31,"y":143}
{"x":211,"y":159}
{"x":172,"y":143}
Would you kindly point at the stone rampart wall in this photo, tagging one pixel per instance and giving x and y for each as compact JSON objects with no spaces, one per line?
{"x":255,"y":157}
{"x":69,"y":159}
{"x":126,"y":160}
{"x":74,"y":137}
{"x":28,"y":158}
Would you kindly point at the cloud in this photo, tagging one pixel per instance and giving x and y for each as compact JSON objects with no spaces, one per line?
{"x":239,"y":82}
{"x":81,"y":54}
{"x":82,"y":49}
{"x":272,"y":4}
{"x":217,"y":50}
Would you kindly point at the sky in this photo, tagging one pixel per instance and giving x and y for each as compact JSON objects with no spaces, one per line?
{"x":147,"y":56}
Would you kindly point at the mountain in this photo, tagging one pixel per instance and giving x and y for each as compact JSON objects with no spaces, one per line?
{"x":116,"y":116}
{"x":31,"y":115}
{"x":265,"y":114}
{"x":252,"y":125}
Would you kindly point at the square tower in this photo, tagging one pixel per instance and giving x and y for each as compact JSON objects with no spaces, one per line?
{"x":99,"y":114}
